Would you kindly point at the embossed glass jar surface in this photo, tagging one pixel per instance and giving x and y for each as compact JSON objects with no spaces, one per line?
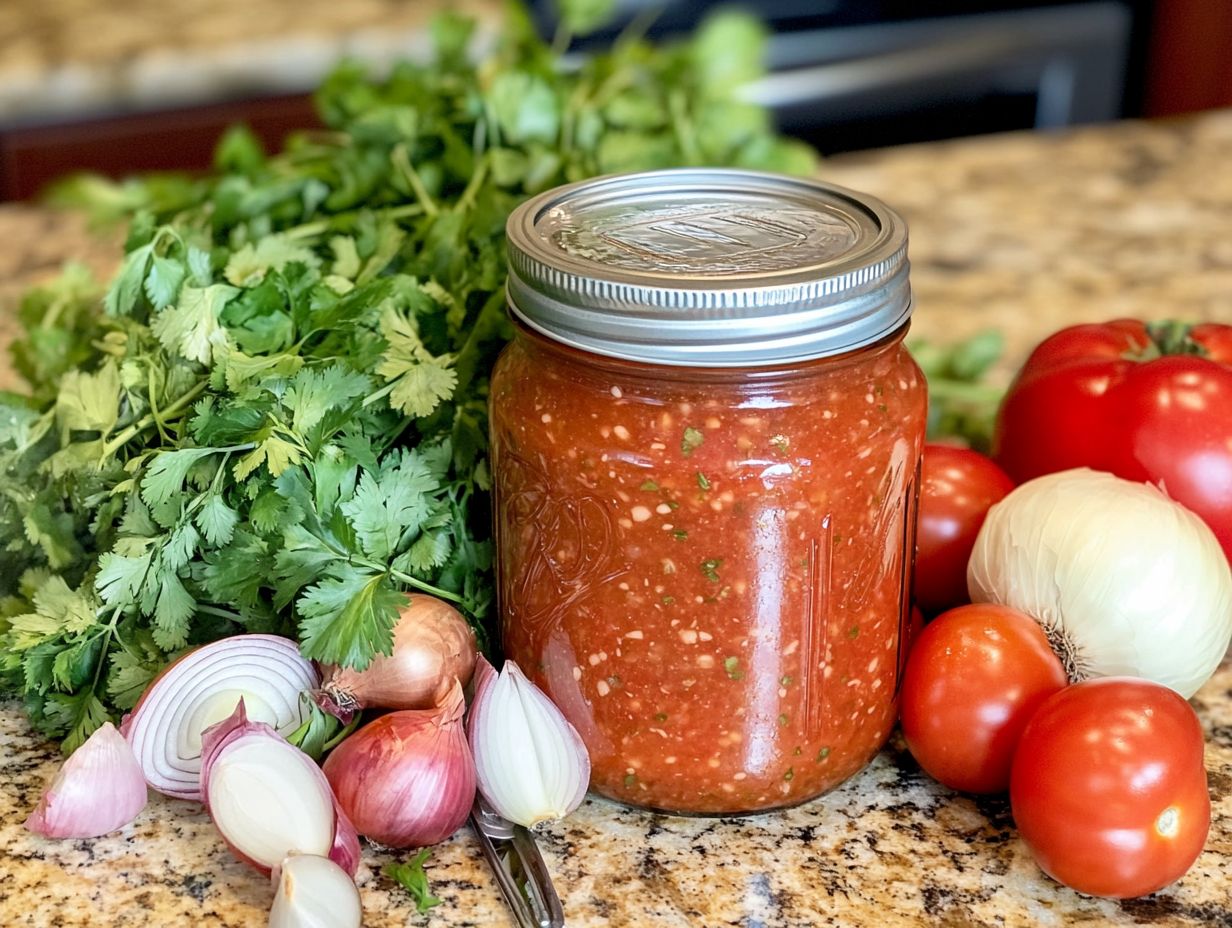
{"x":706,"y":565}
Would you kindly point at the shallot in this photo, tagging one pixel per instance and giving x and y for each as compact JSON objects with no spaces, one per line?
{"x":314,"y":892}
{"x":98,"y":789}
{"x":530,"y":763}
{"x":433,"y":646}
{"x":407,"y":779}
{"x":268,"y":798}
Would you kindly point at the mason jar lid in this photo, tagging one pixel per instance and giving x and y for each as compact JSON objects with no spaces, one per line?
{"x":708,"y":267}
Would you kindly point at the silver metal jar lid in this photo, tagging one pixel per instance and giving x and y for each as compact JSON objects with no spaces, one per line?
{"x":708,"y":267}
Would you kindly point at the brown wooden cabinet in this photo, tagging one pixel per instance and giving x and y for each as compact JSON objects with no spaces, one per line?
{"x":181,"y":139}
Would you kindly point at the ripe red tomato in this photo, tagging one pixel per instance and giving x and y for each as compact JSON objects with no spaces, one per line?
{"x":1109,"y":789}
{"x":957,"y":487}
{"x":1102,"y":396}
{"x":974,"y":676}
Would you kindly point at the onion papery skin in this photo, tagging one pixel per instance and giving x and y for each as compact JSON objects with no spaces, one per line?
{"x":433,"y":645}
{"x":1124,"y":580}
{"x":530,"y":763}
{"x":200,"y":688}
{"x":99,"y":789}
{"x":222,"y":741}
{"x":407,"y":779}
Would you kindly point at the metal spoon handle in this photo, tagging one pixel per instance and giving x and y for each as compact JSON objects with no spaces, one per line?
{"x":520,"y":872}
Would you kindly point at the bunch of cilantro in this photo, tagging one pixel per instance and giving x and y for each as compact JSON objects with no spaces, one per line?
{"x":274,"y":417}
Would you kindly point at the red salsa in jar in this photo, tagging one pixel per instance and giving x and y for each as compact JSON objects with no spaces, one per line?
{"x":705,"y":440}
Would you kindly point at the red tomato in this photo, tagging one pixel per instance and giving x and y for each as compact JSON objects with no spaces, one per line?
{"x":957,"y":486}
{"x":1102,"y":396}
{"x":973,"y":678}
{"x":1109,"y":789}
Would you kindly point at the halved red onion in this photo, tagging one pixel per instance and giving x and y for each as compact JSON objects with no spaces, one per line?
{"x":530,"y":763}
{"x":202,"y":688}
{"x":268,"y":799}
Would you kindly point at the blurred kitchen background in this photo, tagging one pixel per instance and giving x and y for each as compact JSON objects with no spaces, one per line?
{"x":139,"y":84}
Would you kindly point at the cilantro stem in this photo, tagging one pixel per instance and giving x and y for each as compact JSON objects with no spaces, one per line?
{"x":420,"y":584}
{"x":221,"y":613}
{"x":379,"y":394}
{"x":402,"y":161}
{"x":467,"y":200}
{"x":148,"y":419}
{"x":149,"y":385}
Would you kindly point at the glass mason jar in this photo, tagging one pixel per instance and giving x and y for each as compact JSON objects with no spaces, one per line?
{"x":705,"y":441}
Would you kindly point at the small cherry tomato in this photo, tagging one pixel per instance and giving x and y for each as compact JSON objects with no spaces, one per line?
{"x":1109,"y":789}
{"x":957,"y":487}
{"x":974,"y":676}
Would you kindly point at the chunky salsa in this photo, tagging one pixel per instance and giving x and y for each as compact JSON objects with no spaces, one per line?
{"x":708,"y":570}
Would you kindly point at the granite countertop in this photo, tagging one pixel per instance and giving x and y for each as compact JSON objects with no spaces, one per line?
{"x":65,"y":59}
{"x":1022,"y":232}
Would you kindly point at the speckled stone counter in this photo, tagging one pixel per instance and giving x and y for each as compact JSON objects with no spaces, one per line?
{"x":63,"y":59}
{"x":1022,"y":232}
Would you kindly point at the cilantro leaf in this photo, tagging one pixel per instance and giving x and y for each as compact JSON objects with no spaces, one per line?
{"x":217,"y":520}
{"x":421,"y":381}
{"x":410,"y":875}
{"x":347,"y":620}
{"x":162,"y":283}
{"x":191,"y":327}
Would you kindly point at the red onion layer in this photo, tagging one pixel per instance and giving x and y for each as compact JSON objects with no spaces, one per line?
{"x":202,"y":688}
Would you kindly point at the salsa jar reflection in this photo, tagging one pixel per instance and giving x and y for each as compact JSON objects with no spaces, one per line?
{"x":705,"y":442}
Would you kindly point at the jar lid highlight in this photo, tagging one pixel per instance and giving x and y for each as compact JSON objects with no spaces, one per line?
{"x":709,"y":267}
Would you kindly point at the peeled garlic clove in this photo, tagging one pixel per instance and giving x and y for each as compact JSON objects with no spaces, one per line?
{"x":98,"y":789}
{"x":314,"y":892}
{"x":530,"y":763}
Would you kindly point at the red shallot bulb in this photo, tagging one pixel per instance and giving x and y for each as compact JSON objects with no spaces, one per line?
{"x":433,"y":646}
{"x":407,"y":779}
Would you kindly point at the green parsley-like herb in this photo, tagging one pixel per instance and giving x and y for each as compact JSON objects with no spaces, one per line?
{"x":703,"y":481}
{"x":790,"y":774}
{"x":710,"y":567}
{"x":410,"y":876}
{"x":780,"y":443}
{"x":649,"y":486}
{"x":691,"y":441}
{"x":660,"y":716}
{"x":274,"y":416}
{"x":783,"y":719}
{"x":630,"y":780}
{"x":732,"y":666}
{"x":823,"y":754}
{"x":680,"y":534}
{"x":786,"y":680}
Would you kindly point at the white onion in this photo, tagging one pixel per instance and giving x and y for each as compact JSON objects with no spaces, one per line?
{"x":314,"y":892}
{"x":202,"y":688}
{"x":98,"y":789}
{"x":267,"y":798}
{"x":1124,"y":580}
{"x":530,"y":763}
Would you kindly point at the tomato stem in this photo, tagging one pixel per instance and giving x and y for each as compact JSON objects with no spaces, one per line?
{"x":1171,"y":336}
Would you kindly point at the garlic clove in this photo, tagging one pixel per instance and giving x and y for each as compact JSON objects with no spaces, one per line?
{"x":98,"y":789}
{"x":530,"y":763}
{"x":314,"y":892}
